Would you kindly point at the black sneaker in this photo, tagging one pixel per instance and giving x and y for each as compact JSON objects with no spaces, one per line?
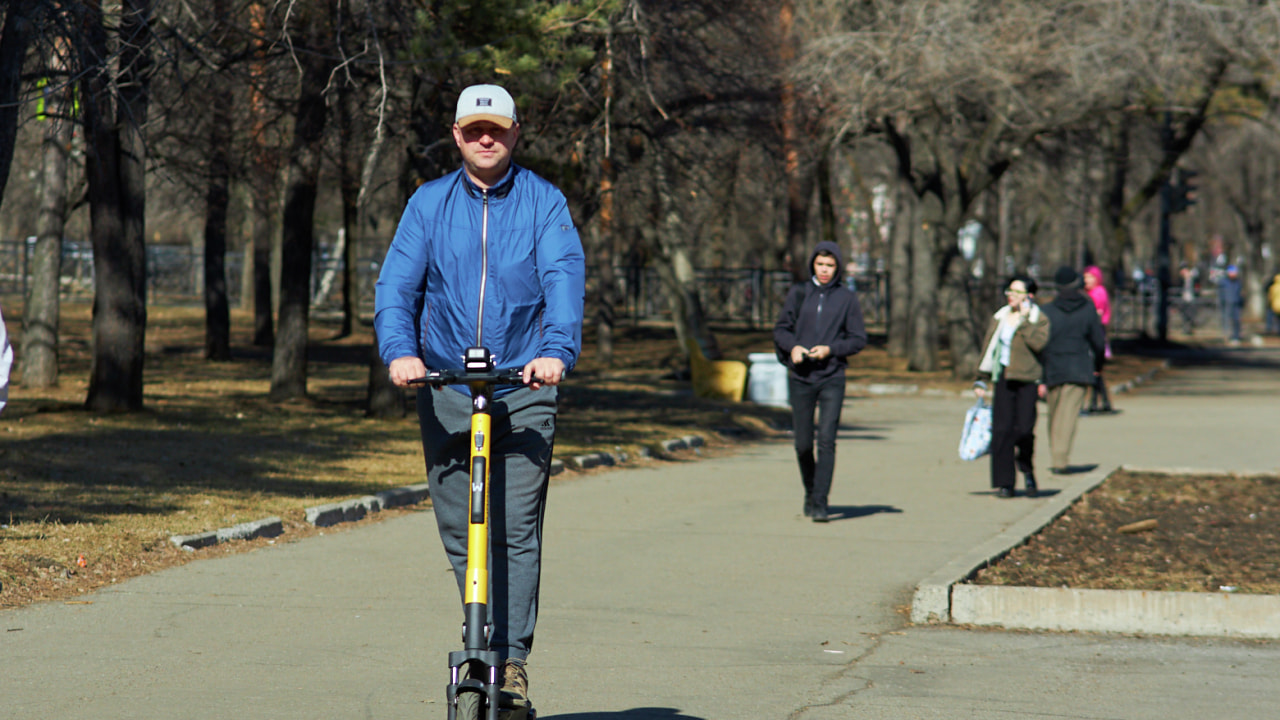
{"x":819,"y":515}
{"x":1004,"y":492}
{"x":514,"y":684}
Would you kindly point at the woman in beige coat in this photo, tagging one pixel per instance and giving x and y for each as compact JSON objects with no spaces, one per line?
{"x":1015,"y":336}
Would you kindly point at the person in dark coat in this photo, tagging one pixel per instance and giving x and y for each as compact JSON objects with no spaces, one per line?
{"x":819,"y":328}
{"x":1230,"y":301}
{"x":1072,"y":359}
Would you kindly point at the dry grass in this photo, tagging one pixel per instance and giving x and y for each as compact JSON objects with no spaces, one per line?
{"x":88,"y":500}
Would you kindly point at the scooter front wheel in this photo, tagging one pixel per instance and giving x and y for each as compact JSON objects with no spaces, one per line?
{"x":470,"y":706}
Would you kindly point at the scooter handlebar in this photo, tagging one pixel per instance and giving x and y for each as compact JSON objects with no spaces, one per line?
{"x":503,"y":376}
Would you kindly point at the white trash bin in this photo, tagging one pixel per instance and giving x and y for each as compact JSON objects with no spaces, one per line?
{"x":767,"y":380}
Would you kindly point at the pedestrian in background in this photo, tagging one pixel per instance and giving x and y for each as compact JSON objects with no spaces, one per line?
{"x":1016,"y":335}
{"x":819,"y":328}
{"x":1189,"y":275}
{"x":1072,"y":361}
{"x":1099,"y":399}
{"x":1273,"y":304}
{"x":1230,"y":301}
{"x":6,"y":363}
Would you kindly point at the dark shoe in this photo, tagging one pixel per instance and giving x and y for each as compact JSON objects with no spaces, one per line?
{"x":808,"y":506}
{"x":514,"y":686}
{"x":1032,"y":489}
{"x":819,"y":515}
{"x":1004,"y":492}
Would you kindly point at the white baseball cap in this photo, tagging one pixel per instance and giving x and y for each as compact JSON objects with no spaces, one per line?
{"x":486,"y":102}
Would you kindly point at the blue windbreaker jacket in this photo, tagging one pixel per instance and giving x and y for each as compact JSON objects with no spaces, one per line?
{"x":502,"y":268}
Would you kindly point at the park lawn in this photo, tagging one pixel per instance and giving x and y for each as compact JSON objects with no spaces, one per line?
{"x":88,"y":500}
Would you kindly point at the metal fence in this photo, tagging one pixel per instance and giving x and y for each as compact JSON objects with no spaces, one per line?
{"x":1133,"y":312}
{"x":175,"y":276}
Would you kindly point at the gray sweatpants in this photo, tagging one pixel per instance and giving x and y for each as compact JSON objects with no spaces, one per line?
{"x":523,"y":432}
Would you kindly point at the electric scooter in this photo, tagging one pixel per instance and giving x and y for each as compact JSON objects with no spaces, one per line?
{"x":473,"y":671}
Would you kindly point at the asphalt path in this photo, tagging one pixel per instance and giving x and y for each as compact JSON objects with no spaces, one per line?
{"x":681,"y":590}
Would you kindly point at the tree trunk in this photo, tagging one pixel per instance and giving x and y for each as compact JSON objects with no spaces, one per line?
{"x":262,"y":210}
{"x":385,"y":399}
{"x":18,"y":29}
{"x":676,"y":269}
{"x":601,"y":237}
{"x":603,"y":229}
{"x":265,"y":190}
{"x":117,"y":197}
{"x":43,"y":303}
{"x":906,"y":226}
{"x":927,"y":249}
{"x":799,"y":176}
{"x":826,"y":202}
{"x":922,"y":349}
{"x":349,"y":182}
{"x":959,"y":300}
{"x":289,"y":360}
{"x":217,"y":311}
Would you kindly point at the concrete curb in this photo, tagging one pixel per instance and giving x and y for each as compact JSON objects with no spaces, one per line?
{"x":1117,"y":611}
{"x":882,"y":389}
{"x":267,"y":527}
{"x":358,"y":508}
{"x":1128,"y":385}
{"x":946,"y":597}
{"x":932,"y":600}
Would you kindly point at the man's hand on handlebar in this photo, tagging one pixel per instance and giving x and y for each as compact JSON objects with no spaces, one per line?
{"x":547,"y":370}
{"x":406,"y":368}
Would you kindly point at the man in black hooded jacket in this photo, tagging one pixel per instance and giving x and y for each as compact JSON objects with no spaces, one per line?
{"x":1072,"y":357}
{"x":819,"y":327}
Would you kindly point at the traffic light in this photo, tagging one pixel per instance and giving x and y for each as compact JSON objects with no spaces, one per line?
{"x":1181,"y":190}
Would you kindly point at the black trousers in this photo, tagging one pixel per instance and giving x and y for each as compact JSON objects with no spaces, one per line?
{"x":1100,"y":399}
{"x":1013,"y":426}
{"x":827,"y":397}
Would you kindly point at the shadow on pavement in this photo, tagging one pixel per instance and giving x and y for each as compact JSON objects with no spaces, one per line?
{"x":850,"y":512}
{"x":1075,"y":469}
{"x":645,"y":713}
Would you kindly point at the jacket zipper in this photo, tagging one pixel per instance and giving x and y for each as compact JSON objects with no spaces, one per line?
{"x":484,"y":267}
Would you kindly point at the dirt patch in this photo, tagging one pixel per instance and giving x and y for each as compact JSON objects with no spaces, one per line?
{"x":1168,"y":532}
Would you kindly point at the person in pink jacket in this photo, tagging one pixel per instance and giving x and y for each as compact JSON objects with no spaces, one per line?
{"x":1097,"y":292}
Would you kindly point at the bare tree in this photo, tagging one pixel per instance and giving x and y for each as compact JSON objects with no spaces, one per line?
{"x":43,"y":303}
{"x":962,"y":91}
{"x":115,"y":105}
{"x":21,"y":18}
{"x":315,"y":63}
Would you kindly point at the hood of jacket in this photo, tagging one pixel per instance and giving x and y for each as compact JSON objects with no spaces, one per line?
{"x":1069,"y":300}
{"x":834,"y":249}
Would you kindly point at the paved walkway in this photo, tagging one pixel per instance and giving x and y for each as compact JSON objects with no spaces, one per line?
{"x":688,"y":590}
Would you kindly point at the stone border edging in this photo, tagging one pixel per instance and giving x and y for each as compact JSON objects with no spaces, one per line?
{"x":267,"y":527}
{"x":945,"y":597}
{"x":882,"y":389}
{"x":358,"y":508}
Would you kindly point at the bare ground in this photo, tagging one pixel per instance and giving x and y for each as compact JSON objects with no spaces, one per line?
{"x":1169,"y":532}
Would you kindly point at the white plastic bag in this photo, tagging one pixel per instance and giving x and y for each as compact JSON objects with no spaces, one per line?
{"x":975,"y":439}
